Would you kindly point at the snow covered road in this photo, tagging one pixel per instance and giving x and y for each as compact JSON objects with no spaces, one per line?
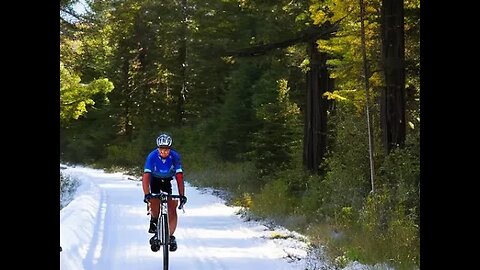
{"x":105,"y":227}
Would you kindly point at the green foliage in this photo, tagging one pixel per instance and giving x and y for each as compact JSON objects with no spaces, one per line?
{"x":404,"y":233}
{"x":83,"y":58}
{"x":347,"y":179}
{"x":234,"y":119}
{"x":75,"y":96}
{"x":400,"y":175}
{"x":124,"y":155}
{"x":84,"y":140}
{"x":359,"y":225}
{"x":238,"y":179}
{"x":412,"y":42}
{"x":379,"y":233}
{"x":313,"y":202}
{"x":275,"y":140}
{"x":237,"y":117}
{"x":385,"y":228}
{"x":79,"y":147}
{"x":344,"y":49}
{"x":275,"y":200}
{"x":384,"y":233}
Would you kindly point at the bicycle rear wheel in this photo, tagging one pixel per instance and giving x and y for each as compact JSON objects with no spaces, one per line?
{"x":165,"y":240}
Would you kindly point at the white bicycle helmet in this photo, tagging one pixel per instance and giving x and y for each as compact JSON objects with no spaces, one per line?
{"x":164,"y":140}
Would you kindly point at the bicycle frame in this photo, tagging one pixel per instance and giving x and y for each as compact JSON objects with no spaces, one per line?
{"x":162,"y":236}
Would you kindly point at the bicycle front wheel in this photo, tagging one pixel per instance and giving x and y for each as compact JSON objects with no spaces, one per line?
{"x":165,"y":239}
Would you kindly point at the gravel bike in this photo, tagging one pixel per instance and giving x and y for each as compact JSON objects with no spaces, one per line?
{"x":162,"y":236}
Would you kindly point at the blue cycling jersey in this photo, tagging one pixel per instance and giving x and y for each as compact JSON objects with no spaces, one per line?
{"x":163,"y":168}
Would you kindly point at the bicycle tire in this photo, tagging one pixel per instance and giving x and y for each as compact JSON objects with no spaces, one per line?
{"x":165,"y":240}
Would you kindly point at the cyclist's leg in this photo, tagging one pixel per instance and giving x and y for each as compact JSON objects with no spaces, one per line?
{"x":155,"y":187}
{"x":154,"y":212}
{"x":166,"y":186}
{"x":172,"y":215}
{"x":154,"y":205}
{"x":172,"y":222}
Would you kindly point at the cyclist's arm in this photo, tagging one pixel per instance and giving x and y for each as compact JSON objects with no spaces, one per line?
{"x":180,"y":184}
{"x":146,"y":182}
{"x":147,"y":174}
{"x":179,"y":173}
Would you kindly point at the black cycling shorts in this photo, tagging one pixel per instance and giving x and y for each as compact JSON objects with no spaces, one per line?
{"x":163,"y":184}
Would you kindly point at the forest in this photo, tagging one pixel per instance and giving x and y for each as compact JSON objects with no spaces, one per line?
{"x":306,"y":112}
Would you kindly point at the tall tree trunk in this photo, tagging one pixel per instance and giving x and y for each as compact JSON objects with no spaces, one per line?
{"x":392,"y":103}
{"x":315,"y":135}
{"x":366,"y":77}
{"x":183,"y":62}
{"x":318,"y":82}
{"x":125,"y":102}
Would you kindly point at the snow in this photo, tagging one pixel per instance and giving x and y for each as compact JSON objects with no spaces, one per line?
{"x":105,"y":227}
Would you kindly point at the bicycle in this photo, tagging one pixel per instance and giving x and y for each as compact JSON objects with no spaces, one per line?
{"x":162,"y":236}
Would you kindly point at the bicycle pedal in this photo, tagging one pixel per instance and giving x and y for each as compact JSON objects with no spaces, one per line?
{"x":155,"y":248}
{"x":153,"y":240}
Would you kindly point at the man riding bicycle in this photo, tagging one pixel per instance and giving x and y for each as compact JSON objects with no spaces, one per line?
{"x":160,"y":166}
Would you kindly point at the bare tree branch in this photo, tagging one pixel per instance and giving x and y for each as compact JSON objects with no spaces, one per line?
{"x":310,"y":34}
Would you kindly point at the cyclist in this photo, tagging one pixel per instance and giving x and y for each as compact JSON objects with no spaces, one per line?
{"x":160,"y":166}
